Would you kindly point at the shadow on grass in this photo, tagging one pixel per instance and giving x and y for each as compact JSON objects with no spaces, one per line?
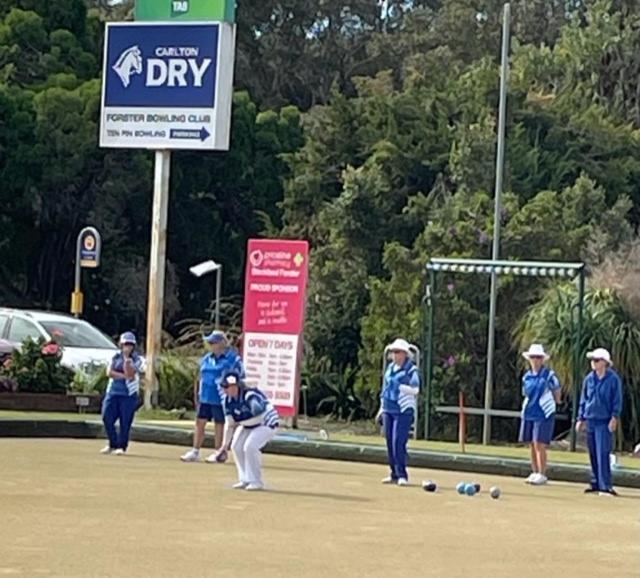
{"x":322,"y":495}
{"x":320,"y":471}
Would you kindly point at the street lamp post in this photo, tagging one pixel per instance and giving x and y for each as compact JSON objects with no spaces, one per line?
{"x":203,"y":269}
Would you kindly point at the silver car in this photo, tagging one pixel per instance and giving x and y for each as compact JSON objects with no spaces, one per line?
{"x":81,"y":342}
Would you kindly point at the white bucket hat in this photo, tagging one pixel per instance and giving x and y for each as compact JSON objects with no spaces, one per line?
{"x":535,"y":350}
{"x":600,"y":353}
{"x":400,"y":345}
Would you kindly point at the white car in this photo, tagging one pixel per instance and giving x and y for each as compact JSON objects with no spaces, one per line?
{"x":81,"y":342}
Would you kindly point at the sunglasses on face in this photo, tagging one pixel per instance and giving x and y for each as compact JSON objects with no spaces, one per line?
{"x":597,"y":360}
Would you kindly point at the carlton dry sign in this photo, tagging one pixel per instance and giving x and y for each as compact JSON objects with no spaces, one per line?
{"x":167,"y":86}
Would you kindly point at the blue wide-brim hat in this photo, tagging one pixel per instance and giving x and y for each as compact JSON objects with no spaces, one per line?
{"x":216,"y":336}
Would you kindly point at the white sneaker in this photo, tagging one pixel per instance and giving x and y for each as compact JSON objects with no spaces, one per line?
{"x":212,"y":458}
{"x":191,"y":456}
{"x":388,"y":480}
{"x":120,"y":452}
{"x":605,"y":494}
{"x":531,"y":477}
{"x":106,"y":450}
{"x":254,"y":487}
{"x":239,"y":485}
{"x":403,"y":482}
{"x":539,"y":480}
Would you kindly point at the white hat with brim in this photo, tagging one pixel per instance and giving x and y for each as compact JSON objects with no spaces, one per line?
{"x":535,"y":350}
{"x":400,"y":345}
{"x":600,"y":353}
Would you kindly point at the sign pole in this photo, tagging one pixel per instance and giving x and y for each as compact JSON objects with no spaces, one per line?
{"x":88,"y":252}
{"x":488,"y":386}
{"x":157,"y":272}
{"x":218,"y":294}
{"x":77,"y":297}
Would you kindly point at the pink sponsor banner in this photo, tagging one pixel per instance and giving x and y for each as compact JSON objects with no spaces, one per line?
{"x":274,"y":306}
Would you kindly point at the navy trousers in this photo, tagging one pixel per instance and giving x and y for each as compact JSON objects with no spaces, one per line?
{"x":397,"y":427}
{"x":599,"y":443}
{"x":120,"y":408}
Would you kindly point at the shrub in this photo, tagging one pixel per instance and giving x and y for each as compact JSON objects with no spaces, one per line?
{"x":176,"y":376}
{"x":36,"y":368}
{"x":90,"y":378}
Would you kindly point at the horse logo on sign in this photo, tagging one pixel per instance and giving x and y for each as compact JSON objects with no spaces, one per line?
{"x":128,"y":64}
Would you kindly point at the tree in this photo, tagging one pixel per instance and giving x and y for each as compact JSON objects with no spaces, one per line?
{"x":608,"y":322}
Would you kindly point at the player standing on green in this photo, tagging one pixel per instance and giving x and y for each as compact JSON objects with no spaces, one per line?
{"x":600,"y":408}
{"x":220,"y":360}
{"x":541,"y":390}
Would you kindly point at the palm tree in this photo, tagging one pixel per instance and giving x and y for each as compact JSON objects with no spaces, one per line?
{"x":607,"y":322}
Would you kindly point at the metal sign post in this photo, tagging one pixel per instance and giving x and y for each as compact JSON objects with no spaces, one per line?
{"x":207,"y":267}
{"x":88,"y":251}
{"x":502,"y":115}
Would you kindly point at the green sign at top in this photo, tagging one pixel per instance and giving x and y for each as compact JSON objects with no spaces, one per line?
{"x":186,"y":10}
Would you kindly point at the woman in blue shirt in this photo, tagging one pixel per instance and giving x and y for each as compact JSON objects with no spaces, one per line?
{"x":121,"y":400}
{"x":541,"y":391}
{"x":398,"y":407}
{"x":220,"y":360}
{"x":600,"y":409}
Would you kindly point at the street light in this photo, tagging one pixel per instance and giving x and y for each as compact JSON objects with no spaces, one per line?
{"x":208,"y":267}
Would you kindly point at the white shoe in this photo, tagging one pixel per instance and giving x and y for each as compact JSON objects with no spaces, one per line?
{"x":403,"y":482}
{"x":106,"y":450}
{"x":254,"y":487}
{"x":605,"y":494}
{"x":239,"y":485}
{"x":388,"y":480}
{"x":531,"y":477}
{"x":120,"y":452}
{"x":191,"y":456}
{"x":539,"y":480}
{"x":212,"y":458}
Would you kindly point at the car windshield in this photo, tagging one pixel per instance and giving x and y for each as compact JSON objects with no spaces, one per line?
{"x":71,"y":333}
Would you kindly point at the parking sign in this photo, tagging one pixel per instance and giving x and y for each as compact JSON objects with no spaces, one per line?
{"x":167,"y":86}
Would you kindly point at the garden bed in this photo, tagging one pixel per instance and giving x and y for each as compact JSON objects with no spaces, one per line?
{"x":89,"y":403}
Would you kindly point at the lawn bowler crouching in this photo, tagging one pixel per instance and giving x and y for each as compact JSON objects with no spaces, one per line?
{"x":600,"y":408}
{"x":220,"y":360}
{"x":400,"y":389}
{"x":121,"y":400}
{"x":250,"y":423}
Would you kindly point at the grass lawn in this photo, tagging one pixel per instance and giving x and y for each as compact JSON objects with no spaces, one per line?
{"x":68,"y":511}
{"x":311,"y":428}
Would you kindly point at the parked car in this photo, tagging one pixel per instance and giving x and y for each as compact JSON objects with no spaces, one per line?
{"x":81,"y":342}
{"x":6,"y":349}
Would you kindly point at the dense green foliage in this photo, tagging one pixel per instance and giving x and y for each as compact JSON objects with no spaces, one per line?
{"x":36,"y":369}
{"x":367,"y":128}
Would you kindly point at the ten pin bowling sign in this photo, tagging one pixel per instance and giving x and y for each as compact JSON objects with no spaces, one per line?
{"x":167,"y":86}
{"x":274,"y":307}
